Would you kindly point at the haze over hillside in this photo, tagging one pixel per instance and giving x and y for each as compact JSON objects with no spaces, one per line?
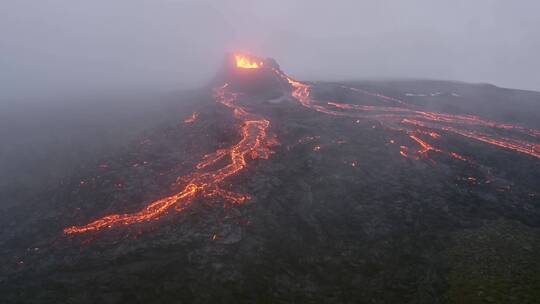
{"x":53,"y":47}
{"x":200,"y":151}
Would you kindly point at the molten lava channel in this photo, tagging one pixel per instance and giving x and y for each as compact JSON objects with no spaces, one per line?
{"x":254,"y":143}
{"x":404,"y":118}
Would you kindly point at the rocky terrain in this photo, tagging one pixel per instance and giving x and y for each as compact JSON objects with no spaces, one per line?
{"x":339,"y":211}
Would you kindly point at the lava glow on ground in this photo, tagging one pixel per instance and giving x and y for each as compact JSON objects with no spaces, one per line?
{"x":419,"y":132}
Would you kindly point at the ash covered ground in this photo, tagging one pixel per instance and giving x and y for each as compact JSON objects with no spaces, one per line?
{"x":343,"y":204}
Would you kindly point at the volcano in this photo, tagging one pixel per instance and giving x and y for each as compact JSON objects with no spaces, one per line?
{"x":271,"y":189}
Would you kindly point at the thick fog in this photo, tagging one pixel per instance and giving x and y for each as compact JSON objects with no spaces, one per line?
{"x":62,"y":46}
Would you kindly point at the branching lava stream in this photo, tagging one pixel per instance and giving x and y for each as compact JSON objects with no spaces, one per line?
{"x":254,"y":143}
{"x":404,"y":118}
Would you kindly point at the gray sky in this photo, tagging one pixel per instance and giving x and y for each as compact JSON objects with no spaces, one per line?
{"x":55,"y":46}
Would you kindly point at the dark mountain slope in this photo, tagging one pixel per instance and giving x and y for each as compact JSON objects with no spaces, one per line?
{"x":338,"y":212}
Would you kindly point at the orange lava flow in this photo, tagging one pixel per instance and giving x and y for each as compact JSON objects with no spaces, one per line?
{"x":424,"y":145}
{"x":254,"y":143}
{"x":415,"y":123}
{"x":192,"y":118}
{"x":244,"y":62}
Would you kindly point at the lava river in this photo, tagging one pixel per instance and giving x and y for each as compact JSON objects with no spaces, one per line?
{"x":254,"y":143}
{"x":421,"y":126}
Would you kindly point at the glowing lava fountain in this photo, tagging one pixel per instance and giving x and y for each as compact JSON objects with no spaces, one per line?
{"x":254,"y":143}
{"x":246,"y":62}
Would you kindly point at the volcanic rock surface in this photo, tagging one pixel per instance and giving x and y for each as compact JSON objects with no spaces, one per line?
{"x":369,"y":192}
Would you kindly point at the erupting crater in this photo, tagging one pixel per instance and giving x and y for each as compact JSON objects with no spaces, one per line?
{"x":247,"y":62}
